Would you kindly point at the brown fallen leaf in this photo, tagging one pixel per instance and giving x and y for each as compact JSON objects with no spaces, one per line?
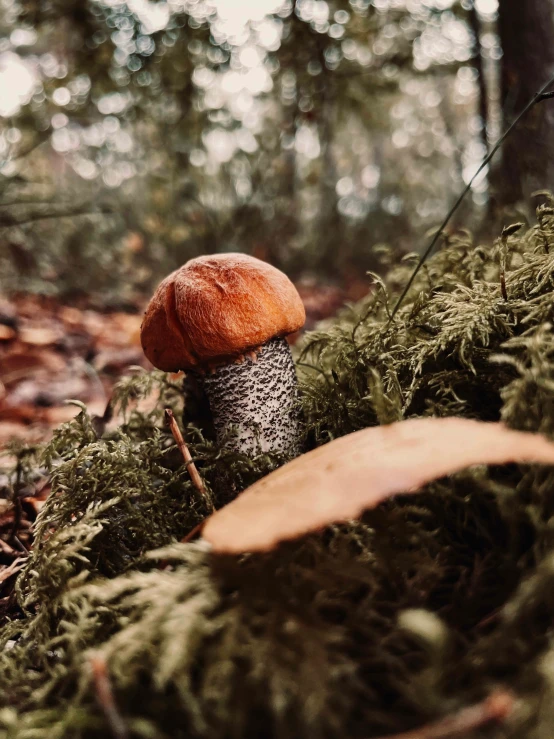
{"x":70,"y":315}
{"x":9,"y":431}
{"x":115,"y":361}
{"x":25,"y":362}
{"x":39,"y":335}
{"x":45,"y":392}
{"x":6,"y":333}
{"x":8,"y":314}
{"x":5,"y":548}
{"x":338,"y":481}
{"x":36,"y":503}
{"x":12,"y":569}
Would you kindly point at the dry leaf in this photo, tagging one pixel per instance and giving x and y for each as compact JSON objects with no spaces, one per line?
{"x":50,"y":352}
{"x":7,"y":572}
{"x":37,"y":504}
{"x":115,"y":361}
{"x":6,"y":333}
{"x":9,"y":431}
{"x":39,"y":336}
{"x":44,"y":392}
{"x":23,"y":362}
{"x":71,"y":316}
{"x":338,"y":481}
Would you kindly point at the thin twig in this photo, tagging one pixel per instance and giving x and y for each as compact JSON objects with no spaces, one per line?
{"x":183,"y":448}
{"x":537,"y":98}
{"x":20,"y":545}
{"x":497,"y":707}
{"x":105,"y":697}
{"x":193,"y":533}
{"x":8,"y":221}
{"x":16,"y":502}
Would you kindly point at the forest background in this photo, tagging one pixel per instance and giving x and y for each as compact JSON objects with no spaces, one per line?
{"x":327,"y":138}
{"x":135,"y":135}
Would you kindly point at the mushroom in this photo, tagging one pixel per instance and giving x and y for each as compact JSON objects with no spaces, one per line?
{"x":225,"y":317}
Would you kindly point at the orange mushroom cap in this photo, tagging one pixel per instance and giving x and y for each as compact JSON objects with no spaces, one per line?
{"x":215,"y":308}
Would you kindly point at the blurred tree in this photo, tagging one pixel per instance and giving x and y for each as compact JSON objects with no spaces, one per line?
{"x":476,"y":29}
{"x":526,"y":31}
{"x":305,"y":132}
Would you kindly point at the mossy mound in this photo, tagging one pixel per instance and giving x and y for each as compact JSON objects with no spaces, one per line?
{"x":426,"y":605}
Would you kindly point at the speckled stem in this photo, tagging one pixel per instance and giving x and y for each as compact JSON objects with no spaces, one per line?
{"x":259,"y":400}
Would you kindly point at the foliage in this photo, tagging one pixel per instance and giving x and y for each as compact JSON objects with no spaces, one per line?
{"x":156,"y":132}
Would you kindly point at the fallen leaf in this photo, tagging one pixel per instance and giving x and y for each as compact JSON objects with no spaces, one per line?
{"x":8,"y":314}
{"x":25,"y":414}
{"x":71,"y":316}
{"x":9,"y":431}
{"x":115,"y":361}
{"x":39,"y":336}
{"x":5,"y":548}
{"x":50,"y":352}
{"x":6,"y":333}
{"x":37,"y":504}
{"x":13,"y":569}
{"x":47,"y":392}
{"x":22,"y":362}
{"x":338,"y":481}
{"x":123,"y":329}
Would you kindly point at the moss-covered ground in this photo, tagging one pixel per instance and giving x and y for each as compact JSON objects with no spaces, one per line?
{"x":429,"y":604}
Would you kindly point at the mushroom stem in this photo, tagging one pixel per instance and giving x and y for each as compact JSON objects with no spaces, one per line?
{"x":258,"y":400}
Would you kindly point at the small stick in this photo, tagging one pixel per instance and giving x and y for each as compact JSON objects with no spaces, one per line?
{"x":496,"y":707}
{"x":193,"y":533}
{"x":21,"y":545}
{"x":105,"y":697}
{"x":503,"y":284}
{"x":183,"y":448}
{"x":17,"y":502}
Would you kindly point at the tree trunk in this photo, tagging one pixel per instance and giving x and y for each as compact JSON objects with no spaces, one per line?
{"x":329,"y":218}
{"x":475,"y":25}
{"x":526,"y":29}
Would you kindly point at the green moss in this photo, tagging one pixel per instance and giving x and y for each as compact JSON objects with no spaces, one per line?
{"x":320,"y":637}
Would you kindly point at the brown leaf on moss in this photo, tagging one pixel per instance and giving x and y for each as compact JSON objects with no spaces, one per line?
{"x":338,"y":481}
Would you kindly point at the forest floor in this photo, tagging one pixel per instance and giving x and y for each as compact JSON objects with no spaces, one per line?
{"x":427,"y":616}
{"x":52,"y":352}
